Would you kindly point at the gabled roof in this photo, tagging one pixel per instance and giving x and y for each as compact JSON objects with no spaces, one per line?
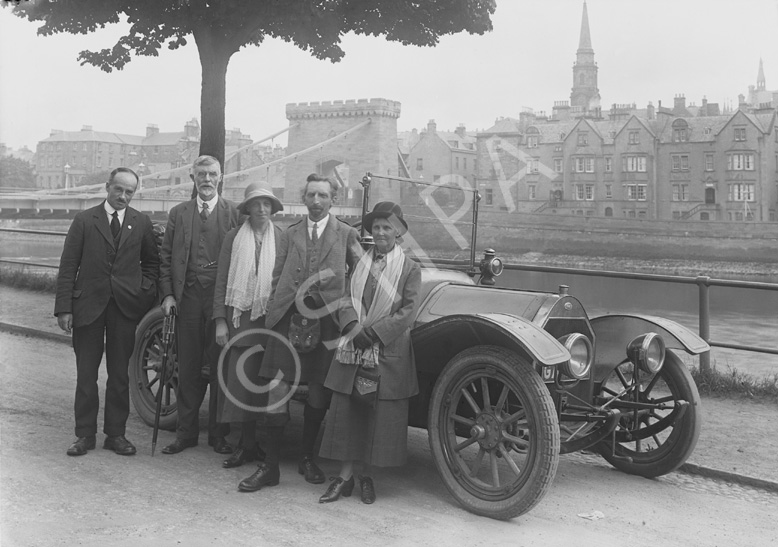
{"x":164,"y":139}
{"x":750,"y":117}
{"x":642,"y":122}
{"x":94,"y":136}
{"x":503,"y":125}
{"x":551,"y":132}
{"x":461,"y":142}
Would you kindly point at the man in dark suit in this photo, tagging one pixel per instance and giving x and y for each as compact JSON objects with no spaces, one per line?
{"x":190,"y":251}
{"x":107,"y":282}
{"x":309,"y":277}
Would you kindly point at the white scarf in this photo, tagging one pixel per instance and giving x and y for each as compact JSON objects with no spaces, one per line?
{"x":385,"y":294}
{"x":248,"y":282}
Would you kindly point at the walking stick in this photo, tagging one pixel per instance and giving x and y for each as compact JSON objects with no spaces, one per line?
{"x":168,"y":329}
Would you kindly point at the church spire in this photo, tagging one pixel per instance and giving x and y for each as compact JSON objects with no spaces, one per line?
{"x":760,"y":81}
{"x":585,"y":42}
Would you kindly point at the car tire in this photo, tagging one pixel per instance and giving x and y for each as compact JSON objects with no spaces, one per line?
{"x":665,"y":450}
{"x":497,"y":455}
{"x":144,"y":372}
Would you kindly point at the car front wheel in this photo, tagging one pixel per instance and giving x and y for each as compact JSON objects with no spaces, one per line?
{"x":660,"y":421}
{"x":146,"y":372}
{"x":493,"y":432}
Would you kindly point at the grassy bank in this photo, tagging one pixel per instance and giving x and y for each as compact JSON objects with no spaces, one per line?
{"x":22,"y":278}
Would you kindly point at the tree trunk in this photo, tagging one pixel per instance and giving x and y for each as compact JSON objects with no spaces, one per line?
{"x":214,"y":58}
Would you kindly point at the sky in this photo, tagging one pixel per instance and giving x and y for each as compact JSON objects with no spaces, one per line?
{"x":646,"y":50}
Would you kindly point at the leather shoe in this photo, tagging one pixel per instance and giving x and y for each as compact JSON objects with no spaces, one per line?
{"x":338,"y":487}
{"x":81,"y":445}
{"x":178,"y":445}
{"x":368,"y":489}
{"x":220,"y":445}
{"x":241,"y":456}
{"x":312,"y":473}
{"x":119,"y":444}
{"x":265,"y":475}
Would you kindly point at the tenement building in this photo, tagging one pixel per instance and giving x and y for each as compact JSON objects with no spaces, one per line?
{"x":682,"y":163}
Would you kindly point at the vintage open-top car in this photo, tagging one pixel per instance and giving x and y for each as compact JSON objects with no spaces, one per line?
{"x":510,"y":379}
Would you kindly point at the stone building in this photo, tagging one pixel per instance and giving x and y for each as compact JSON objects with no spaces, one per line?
{"x":66,"y":157}
{"x":444,"y":157}
{"x":342,"y":140}
{"x":687,"y":162}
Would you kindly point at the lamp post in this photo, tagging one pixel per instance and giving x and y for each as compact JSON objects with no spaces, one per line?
{"x":67,"y":170}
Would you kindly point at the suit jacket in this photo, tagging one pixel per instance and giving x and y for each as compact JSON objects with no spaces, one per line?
{"x":178,"y":239}
{"x":395,"y":360}
{"x":92,"y":269}
{"x":339,"y":248}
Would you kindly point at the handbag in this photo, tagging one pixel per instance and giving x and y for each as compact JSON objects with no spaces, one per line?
{"x":366,"y":383}
{"x":304,"y":333}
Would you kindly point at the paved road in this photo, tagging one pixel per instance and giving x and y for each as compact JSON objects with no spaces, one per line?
{"x":102,"y":499}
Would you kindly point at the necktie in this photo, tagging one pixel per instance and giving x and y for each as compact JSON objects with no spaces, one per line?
{"x":314,"y":234}
{"x":115,"y":227}
{"x":204,"y":212}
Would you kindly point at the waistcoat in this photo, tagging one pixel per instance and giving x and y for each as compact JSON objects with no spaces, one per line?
{"x":203,"y":250}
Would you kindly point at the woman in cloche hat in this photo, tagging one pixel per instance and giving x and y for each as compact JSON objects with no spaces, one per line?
{"x":240,"y":299}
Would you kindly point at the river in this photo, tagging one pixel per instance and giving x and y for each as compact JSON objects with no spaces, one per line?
{"x":738,"y":316}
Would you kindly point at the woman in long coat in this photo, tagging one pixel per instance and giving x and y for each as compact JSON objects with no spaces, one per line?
{"x":240,"y":301}
{"x":376,"y":321}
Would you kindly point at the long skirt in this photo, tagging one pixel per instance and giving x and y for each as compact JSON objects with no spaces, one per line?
{"x":239,"y":399}
{"x":376,"y":437}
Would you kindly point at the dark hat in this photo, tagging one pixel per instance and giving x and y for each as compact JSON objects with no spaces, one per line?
{"x":386,"y":209}
{"x":260,"y":189}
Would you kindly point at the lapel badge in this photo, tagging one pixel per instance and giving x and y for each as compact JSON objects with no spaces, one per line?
{"x":129,"y":226}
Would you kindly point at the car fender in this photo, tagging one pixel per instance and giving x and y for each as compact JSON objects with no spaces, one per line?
{"x":614,"y":331}
{"x":455,"y":333}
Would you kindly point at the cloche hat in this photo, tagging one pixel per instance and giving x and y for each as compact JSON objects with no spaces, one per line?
{"x":260,"y":189}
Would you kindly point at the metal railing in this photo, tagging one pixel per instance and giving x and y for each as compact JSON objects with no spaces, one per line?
{"x":703,"y":283}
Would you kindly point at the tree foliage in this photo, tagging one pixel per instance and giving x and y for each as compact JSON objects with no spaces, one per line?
{"x":222,"y":27}
{"x":16,"y":173}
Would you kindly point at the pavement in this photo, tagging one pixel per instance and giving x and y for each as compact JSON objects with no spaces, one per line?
{"x":738,"y":442}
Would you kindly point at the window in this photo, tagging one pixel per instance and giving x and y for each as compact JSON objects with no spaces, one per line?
{"x":488,"y":196}
{"x":633,"y":164}
{"x":584,"y":192}
{"x":680,"y":192}
{"x":740,"y":162}
{"x":740,"y":134}
{"x":456,"y":163}
{"x":532,"y":166}
{"x":558,"y":148}
{"x":85,"y":147}
{"x":634,"y":137}
{"x":583,"y":164}
{"x":676,"y":215}
{"x":680,"y":162}
{"x":709,"y":162}
{"x":608,"y":164}
{"x":741,"y":192}
{"x":583,"y":139}
{"x":642,"y":214}
{"x":419,"y":164}
{"x":532,"y":191}
{"x":680,"y":134}
{"x":636,"y":192}
{"x":608,"y":191}
{"x":558,"y":165}
{"x":532,"y":141}
{"x":464,"y":161}
{"x":497,"y":144}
